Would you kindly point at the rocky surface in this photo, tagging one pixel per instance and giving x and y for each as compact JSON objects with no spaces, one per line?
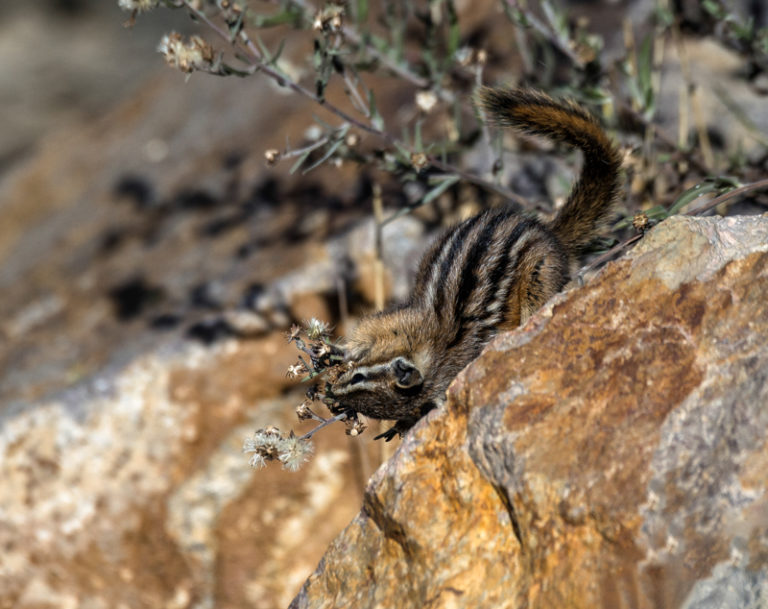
{"x":611,"y":453}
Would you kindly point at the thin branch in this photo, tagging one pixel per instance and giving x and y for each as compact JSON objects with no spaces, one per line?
{"x":605,"y":257}
{"x":281,"y":79}
{"x":727,"y":196}
{"x":258,"y":65}
{"x":395,"y":67}
{"x":515,"y":198}
{"x":694,"y":98}
{"x":689,"y":156}
{"x":548,"y":34}
{"x":325,"y":423}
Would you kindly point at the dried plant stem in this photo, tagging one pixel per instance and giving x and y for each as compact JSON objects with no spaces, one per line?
{"x":547,"y":33}
{"x":701,"y":128}
{"x":760,"y":184}
{"x":510,"y":196}
{"x":291,"y":152}
{"x":693,"y":96}
{"x":378,"y":264}
{"x":522,"y":48}
{"x":257,"y":64}
{"x":354,"y":96}
{"x":339,"y":417}
{"x":378,"y":281}
{"x":667,"y":139}
{"x":683,"y":116}
{"x":605,"y":257}
{"x":656,"y":69}
{"x":399,"y":69}
{"x":631,"y":50}
{"x":659,"y":47}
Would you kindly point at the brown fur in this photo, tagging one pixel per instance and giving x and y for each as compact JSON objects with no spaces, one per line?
{"x":489,"y":273}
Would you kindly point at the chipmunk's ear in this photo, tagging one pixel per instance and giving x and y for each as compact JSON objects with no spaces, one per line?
{"x":407,"y":375}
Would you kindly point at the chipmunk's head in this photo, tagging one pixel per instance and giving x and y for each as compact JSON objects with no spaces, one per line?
{"x":389,"y":368}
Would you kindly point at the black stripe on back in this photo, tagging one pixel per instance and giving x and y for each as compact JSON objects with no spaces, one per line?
{"x":503,"y":265}
{"x":465,"y":323}
{"x":458,"y":242}
{"x":469,"y":272}
{"x":428,"y":261}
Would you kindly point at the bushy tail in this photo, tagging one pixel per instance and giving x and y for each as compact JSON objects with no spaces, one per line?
{"x":593,"y":194}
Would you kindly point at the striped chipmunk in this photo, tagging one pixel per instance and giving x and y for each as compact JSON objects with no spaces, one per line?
{"x":484,"y":275}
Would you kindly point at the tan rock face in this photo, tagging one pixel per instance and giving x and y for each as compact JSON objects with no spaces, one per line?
{"x":134,"y":492}
{"x":612,"y":453}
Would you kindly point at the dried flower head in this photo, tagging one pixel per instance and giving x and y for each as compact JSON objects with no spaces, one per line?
{"x":352,"y":140}
{"x":320,"y":358}
{"x":464,"y":55}
{"x":265,"y":442}
{"x":304,"y":410}
{"x":426,"y":100}
{"x":419,"y":160}
{"x":197,"y":54}
{"x":137,"y":6}
{"x":257,"y":460}
{"x":269,"y":444}
{"x":294,"y":333}
{"x":272,"y":156}
{"x":317,"y":329}
{"x":641,"y":222}
{"x":295,"y":452}
{"x":295,"y":370}
{"x":355,"y":426}
{"x":329,"y":19}
{"x":313,"y":133}
{"x":231,"y":10}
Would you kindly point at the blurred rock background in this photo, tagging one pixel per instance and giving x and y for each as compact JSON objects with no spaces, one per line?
{"x":66,"y":63}
{"x":136,"y":210}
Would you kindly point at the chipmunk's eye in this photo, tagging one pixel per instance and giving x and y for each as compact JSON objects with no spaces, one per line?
{"x":406,"y":374}
{"x":358,"y":377}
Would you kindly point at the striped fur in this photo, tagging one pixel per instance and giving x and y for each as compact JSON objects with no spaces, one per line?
{"x":487,"y":274}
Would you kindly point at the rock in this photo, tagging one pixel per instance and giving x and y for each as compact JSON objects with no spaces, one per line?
{"x":611,"y":453}
{"x":132,"y":490}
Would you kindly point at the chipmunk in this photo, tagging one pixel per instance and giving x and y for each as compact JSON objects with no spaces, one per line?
{"x":487,"y":274}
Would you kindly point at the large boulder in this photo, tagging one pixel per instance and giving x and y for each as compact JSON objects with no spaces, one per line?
{"x":611,"y":453}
